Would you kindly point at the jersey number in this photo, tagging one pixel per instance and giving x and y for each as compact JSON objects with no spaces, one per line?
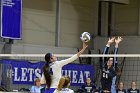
{"x":50,"y":71}
{"x":105,"y":75}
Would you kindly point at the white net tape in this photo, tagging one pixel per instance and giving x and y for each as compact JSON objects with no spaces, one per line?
{"x":69,"y":55}
{"x":130,"y":66}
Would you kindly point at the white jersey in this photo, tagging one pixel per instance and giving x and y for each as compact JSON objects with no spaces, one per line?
{"x":64,"y":90}
{"x":55,"y":69}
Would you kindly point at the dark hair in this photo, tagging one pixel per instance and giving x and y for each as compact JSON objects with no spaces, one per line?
{"x":46,"y":70}
{"x":109,"y":58}
{"x":117,"y":69}
{"x":48,"y":56}
{"x":112,"y":61}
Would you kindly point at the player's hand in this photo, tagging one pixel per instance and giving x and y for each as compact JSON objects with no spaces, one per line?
{"x":85,"y":45}
{"x":111,"y":40}
{"x":118,"y":40}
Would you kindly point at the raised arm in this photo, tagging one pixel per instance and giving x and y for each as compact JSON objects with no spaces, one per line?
{"x":74,"y":57}
{"x":83,"y":49}
{"x":117,"y":41}
{"x":110,"y":41}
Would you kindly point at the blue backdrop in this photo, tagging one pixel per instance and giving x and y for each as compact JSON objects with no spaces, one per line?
{"x":24,"y":72}
{"x":11,"y":13}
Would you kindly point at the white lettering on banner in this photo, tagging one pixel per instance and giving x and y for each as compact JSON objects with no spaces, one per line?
{"x":25,"y":72}
{"x":74,"y":79}
{"x":76,"y":76}
{"x":81,"y":80}
{"x":37,"y":73}
{"x":87,"y":74}
{"x":67,"y":72}
{"x":31,"y":71}
{"x":29,"y":74}
{"x":24,"y":75}
{"x":8,"y":3}
{"x":15,"y":72}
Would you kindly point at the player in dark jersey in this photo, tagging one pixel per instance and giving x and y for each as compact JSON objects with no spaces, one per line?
{"x":108,"y":67}
{"x":120,"y":88}
{"x":88,"y":87}
{"x":133,"y":88}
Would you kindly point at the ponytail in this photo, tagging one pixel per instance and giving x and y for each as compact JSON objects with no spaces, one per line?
{"x":46,"y":70}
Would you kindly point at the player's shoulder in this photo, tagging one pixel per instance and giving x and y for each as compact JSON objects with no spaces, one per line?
{"x":53,"y":64}
{"x":57,"y":64}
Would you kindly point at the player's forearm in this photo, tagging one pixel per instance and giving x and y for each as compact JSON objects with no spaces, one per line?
{"x":106,"y":50}
{"x":115,"y":52}
{"x":67,"y":61}
{"x":116,"y":45}
{"x":105,"y":58}
{"x":73,"y":58}
{"x":81,"y":51}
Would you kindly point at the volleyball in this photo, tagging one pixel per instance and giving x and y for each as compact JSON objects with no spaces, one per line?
{"x":85,"y":37}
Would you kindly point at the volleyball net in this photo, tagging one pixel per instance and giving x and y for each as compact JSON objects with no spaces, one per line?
{"x":128,"y":63}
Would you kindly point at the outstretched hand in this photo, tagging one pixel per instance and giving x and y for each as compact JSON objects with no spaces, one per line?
{"x":118,"y":40}
{"x":111,"y":40}
{"x":85,"y":45}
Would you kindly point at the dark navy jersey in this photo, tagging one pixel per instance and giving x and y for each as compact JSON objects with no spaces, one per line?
{"x":108,"y":74}
{"x":106,"y":79}
{"x":88,"y":88}
{"x":120,"y":91}
{"x":133,"y":91}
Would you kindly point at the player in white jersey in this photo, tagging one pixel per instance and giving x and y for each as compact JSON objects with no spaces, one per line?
{"x":63,"y":85}
{"x":52,"y":69}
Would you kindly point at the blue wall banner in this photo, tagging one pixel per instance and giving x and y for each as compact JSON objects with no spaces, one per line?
{"x":78,"y":73}
{"x":11,"y":16}
{"x":24,"y":72}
